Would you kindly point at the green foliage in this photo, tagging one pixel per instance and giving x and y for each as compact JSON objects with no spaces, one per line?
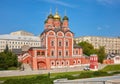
{"x":112,"y":68}
{"x":8,"y":59}
{"x":88,"y":48}
{"x":100,"y":73}
{"x":12,"y":68}
{"x":86,"y":74}
{"x":101,"y":54}
{"x":44,"y":79}
{"x":6,"y":49}
{"x":34,"y":80}
{"x":64,"y":76}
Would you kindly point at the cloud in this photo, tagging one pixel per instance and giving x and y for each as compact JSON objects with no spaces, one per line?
{"x":110,"y":2}
{"x":59,"y":3}
{"x":99,"y":28}
{"x":104,"y":27}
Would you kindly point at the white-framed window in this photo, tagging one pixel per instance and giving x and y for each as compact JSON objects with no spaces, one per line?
{"x":57,"y":62}
{"x":78,"y":61}
{"x":76,"y":52}
{"x":67,"y":53}
{"x":52,"y":63}
{"x":74,"y":62}
{"x":52,"y":52}
{"x":62,"y":62}
{"x":66,"y":43}
{"x":60,"y":53}
{"x":59,"y":42}
{"x":67,"y":62}
{"x":52,"y":42}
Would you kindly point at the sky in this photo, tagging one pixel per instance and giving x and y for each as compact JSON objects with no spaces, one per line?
{"x":86,"y":17}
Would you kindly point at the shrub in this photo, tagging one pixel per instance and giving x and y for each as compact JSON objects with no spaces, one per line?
{"x":100,"y":73}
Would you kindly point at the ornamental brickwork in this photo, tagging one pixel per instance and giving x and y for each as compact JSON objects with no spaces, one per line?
{"x":57,"y":48}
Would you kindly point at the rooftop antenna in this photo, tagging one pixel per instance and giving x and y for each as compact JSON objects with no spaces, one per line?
{"x":65,"y":12}
{"x":50,"y":10}
{"x":56,"y":10}
{"x":46,"y":14}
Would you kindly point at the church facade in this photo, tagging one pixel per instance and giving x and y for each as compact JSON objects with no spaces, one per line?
{"x":57,"y":49}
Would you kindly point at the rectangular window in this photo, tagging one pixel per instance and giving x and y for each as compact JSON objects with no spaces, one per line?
{"x":38,"y":53}
{"x":66,"y":53}
{"x":52,"y":43}
{"x":60,"y":53}
{"x":43,"y":53}
{"x":52,"y":53}
{"x":77,"y":52}
{"x":66,"y":43}
{"x":60,"y":43}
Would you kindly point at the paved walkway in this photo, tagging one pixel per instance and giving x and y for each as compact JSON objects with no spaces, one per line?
{"x":98,"y":80}
{"x":30,"y":72}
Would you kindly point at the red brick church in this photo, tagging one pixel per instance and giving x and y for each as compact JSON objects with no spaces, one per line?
{"x":57,"y":48}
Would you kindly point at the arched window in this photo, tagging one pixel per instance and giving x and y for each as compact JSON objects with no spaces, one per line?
{"x":74,"y":62}
{"x":52,"y":63}
{"x":66,"y":43}
{"x":60,"y":53}
{"x":76,"y":52}
{"x":52,"y":53}
{"x":43,"y":53}
{"x":67,"y":62}
{"x":38,"y":53}
{"x":60,"y":43}
{"x":57,"y":63}
{"x":79,"y":61}
{"x":62,"y":63}
{"x":52,"y":43}
{"x":66,"y":53}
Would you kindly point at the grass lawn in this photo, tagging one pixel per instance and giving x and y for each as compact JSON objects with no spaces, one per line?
{"x":48,"y":79}
{"x":112,"y":68}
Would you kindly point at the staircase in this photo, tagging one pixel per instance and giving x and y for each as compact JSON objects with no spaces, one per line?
{"x":101,"y":66}
{"x":26,"y":67}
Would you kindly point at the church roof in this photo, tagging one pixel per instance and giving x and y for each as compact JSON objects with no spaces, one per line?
{"x":56,"y":30}
{"x":76,"y":46}
{"x":65,"y":18}
{"x":17,"y":37}
{"x":37,"y":48}
{"x":50,"y":16}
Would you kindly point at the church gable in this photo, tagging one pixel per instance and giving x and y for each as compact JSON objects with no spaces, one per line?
{"x":51,"y":33}
{"x":60,"y":33}
{"x":68,"y":34}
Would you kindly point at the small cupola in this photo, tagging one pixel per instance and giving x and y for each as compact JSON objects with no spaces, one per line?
{"x":65,"y":18}
{"x":57,"y":16}
{"x":50,"y":16}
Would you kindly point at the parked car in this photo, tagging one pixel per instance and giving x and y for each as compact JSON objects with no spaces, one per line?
{"x":86,"y":68}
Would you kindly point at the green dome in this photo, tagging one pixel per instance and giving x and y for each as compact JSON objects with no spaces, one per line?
{"x":50,"y":16}
{"x":65,"y":18}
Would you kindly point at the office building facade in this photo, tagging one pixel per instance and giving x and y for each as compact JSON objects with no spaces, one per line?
{"x":111,"y":44}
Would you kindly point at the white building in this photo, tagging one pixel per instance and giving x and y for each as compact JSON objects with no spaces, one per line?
{"x":21,"y":33}
{"x":116,"y":59}
{"x":17,"y":41}
{"x":112,"y":45}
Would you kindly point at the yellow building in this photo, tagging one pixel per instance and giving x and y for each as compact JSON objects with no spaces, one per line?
{"x":111,"y":44}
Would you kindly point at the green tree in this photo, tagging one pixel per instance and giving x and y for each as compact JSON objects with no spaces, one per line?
{"x":8,"y":59}
{"x":6,"y":49}
{"x":101,"y":54}
{"x":88,"y":48}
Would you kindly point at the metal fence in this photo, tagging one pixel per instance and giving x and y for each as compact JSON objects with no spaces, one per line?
{"x":65,"y":81}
